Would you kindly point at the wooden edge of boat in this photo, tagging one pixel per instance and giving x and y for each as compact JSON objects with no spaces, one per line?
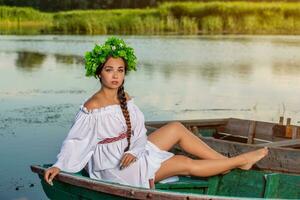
{"x":123,"y":190}
{"x":197,"y":122}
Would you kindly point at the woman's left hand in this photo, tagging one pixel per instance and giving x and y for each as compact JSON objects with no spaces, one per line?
{"x":126,"y":160}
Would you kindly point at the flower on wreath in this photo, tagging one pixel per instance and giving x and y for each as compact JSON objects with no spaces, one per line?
{"x":113,"y":46}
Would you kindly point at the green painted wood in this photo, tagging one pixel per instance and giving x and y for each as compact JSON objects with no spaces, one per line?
{"x":185,"y":185}
{"x":56,"y":193}
{"x":213,"y":185}
{"x":272,"y":183}
{"x":282,"y":186}
{"x":207,"y":132}
{"x":239,"y":183}
{"x":64,"y":191}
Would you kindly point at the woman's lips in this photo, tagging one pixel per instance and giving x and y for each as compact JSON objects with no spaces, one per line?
{"x":115,"y":82}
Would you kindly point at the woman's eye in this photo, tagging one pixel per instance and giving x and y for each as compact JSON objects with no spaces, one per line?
{"x":108,"y":70}
{"x":121,"y":70}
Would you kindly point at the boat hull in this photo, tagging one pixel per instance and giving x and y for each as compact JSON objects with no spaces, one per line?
{"x":237,"y":184}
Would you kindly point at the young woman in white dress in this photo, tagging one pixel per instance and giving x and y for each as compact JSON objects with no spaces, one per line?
{"x":108,"y":137}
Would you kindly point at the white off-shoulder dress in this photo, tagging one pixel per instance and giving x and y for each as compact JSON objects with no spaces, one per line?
{"x":81,"y":147}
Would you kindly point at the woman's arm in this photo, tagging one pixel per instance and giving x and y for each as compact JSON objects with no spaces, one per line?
{"x":77,"y":148}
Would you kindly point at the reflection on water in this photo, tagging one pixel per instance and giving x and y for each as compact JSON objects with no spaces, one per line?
{"x":42,"y":85}
{"x":68,"y":59}
{"x":29,"y":60}
{"x":287,"y":67}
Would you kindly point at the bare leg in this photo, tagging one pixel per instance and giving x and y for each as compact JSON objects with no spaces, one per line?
{"x":169,"y":135}
{"x":182,"y":165}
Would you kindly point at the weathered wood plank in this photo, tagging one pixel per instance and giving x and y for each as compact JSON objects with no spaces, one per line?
{"x":278,"y":159}
{"x":225,"y":136}
{"x":124,"y":191}
{"x":198,"y":123}
{"x":279,"y":130}
{"x":284,"y":143}
{"x":263,"y":130}
{"x":237,"y":127}
{"x":251,"y":132}
{"x":295,"y":132}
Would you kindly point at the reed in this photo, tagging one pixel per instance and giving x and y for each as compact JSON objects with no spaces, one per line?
{"x":167,"y":18}
{"x":239,"y":17}
{"x":16,"y":20}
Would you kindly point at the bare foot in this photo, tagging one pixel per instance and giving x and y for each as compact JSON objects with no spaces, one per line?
{"x":252,"y":157}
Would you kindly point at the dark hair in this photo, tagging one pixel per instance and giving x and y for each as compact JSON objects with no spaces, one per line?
{"x":122,"y":99}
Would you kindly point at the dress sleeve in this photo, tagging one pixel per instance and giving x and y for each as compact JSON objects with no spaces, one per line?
{"x":79,"y":145}
{"x":139,"y":137}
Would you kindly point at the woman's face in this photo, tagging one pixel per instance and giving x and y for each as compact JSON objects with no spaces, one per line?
{"x":113,"y":73}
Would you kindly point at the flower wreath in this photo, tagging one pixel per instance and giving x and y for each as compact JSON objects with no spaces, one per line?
{"x":113,"y":46}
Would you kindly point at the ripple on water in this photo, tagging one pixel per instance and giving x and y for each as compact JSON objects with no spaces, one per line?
{"x":18,"y":184}
{"x":37,"y":115}
{"x":38,"y":91}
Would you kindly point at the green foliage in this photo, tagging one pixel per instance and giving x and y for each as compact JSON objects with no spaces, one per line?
{"x":15,"y":20}
{"x":114,"y":47}
{"x":23,"y":14}
{"x":58,"y":5}
{"x":104,"y":21}
{"x":177,"y":17}
{"x":238,"y":17}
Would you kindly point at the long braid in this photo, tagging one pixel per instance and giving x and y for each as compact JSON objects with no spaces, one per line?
{"x":123,"y":104}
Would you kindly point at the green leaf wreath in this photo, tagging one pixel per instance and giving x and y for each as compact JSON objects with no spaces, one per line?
{"x":113,"y":46}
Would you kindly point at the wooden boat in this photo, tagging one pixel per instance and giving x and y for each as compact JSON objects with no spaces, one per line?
{"x":234,"y":185}
{"x":229,"y":137}
{"x":234,"y":136}
{"x":244,"y":131}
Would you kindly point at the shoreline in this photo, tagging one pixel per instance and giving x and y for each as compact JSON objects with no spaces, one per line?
{"x":189,"y":18}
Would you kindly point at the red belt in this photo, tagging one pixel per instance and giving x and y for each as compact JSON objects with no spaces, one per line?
{"x":114,"y":139}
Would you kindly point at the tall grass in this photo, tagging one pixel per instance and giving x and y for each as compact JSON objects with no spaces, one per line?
{"x":168,"y":18}
{"x":239,"y":17}
{"x":15,"y":20}
{"x":104,"y":22}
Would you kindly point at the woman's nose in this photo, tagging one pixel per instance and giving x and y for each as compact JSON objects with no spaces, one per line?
{"x":115,"y":74}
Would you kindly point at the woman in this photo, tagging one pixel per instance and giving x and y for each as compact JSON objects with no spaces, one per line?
{"x":109,"y":138}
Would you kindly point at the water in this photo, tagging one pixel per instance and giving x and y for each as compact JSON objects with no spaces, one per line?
{"x":42,"y":85}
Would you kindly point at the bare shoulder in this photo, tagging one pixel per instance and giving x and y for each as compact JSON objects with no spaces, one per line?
{"x":96,"y":101}
{"x":93,"y":102}
{"x":128,"y":97}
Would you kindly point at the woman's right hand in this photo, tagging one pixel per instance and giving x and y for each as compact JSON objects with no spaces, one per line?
{"x":50,"y":174}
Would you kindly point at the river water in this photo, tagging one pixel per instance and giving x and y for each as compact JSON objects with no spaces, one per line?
{"x":42,"y":85}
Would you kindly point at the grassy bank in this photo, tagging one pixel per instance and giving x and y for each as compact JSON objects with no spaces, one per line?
{"x":15,"y":20}
{"x":168,"y":18}
{"x":239,"y":17}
